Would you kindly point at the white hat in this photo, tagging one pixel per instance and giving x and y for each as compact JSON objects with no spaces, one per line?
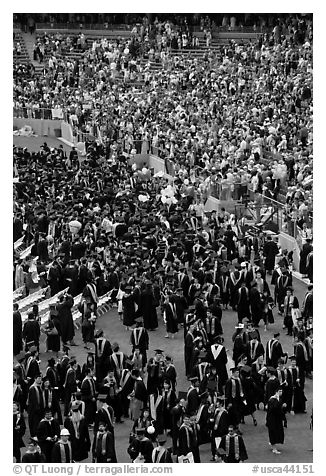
{"x":64,"y":432}
{"x":243,"y":264}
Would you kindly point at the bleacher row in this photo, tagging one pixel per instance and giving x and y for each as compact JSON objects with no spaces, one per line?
{"x":25,"y":304}
{"x":23,"y":56}
{"x":77,"y":54}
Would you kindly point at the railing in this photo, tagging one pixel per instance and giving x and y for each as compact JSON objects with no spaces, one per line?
{"x":39,"y":113}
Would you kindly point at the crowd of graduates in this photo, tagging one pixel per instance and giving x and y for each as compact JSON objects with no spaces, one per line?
{"x":97,"y":226}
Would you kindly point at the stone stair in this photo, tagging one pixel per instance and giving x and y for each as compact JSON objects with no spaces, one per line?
{"x":24,"y":56}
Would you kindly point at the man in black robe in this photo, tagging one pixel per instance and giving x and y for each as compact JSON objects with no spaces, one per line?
{"x":234,"y":447}
{"x":275,"y":420}
{"x":17,"y":331}
{"x":48,"y":432}
{"x":65,"y":317}
{"x":147,"y":307}
{"x":270,"y":252}
{"x":103,"y":449}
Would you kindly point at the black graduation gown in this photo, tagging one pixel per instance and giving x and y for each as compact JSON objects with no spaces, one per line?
{"x":80,"y":446}
{"x":188,"y":349}
{"x":249,"y":390}
{"x":19,"y":428}
{"x":270,"y":252}
{"x":230,"y":458}
{"x":66,"y":320}
{"x":33,"y":458}
{"x":220,"y":364}
{"x":17,"y":333}
{"x":171,"y":318}
{"x":56,"y":454}
{"x":274,"y":421}
{"x":129,"y":313}
{"x":110,"y":455}
{"x":306,"y":248}
{"x":147,"y":309}
{"x":47,"y":429}
{"x":256,"y":306}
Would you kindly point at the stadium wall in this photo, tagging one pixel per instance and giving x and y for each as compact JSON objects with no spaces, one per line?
{"x":41,"y":127}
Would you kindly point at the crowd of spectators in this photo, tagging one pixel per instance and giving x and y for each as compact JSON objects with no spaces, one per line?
{"x":226,"y":112}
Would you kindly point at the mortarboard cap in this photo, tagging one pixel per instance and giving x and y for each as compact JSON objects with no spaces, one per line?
{"x":140,"y":431}
{"x":277,"y":334}
{"x":158,"y":351}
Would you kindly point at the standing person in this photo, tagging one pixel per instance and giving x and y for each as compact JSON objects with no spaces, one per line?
{"x":17,"y":331}
{"x":128,"y":308}
{"x":138,"y":395}
{"x":31,"y":332}
{"x":67,"y":327}
{"x":32,"y":368}
{"x":234,"y":447}
{"x":234,"y":397}
{"x":274,"y":351}
{"x":160,"y":453}
{"x":50,"y":399}
{"x":297,"y":396}
{"x":249,"y":391}
{"x":35,"y":405}
{"x":243,"y":302}
{"x":193,"y":396}
{"x":218,"y":359}
{"x":270,"y":252}
{"x":77,"y":426}
{"x":62,"y":452}
{"x":256,"y":304}
{"x":275,"y":420}
{"x":103,"y":351}
{"x":103,"y":450}
{"x":170,"y":317}
{"x":70,"y":384}
{"x":188,"y":349}
{"x":254,"y":350}
{"x":186,"y":437}
{"x":290,"y":304}
{"x":219,"y":424}
{"x":147,"y":307}
{"x":177,"y":414}
{"x":306,"y":249}
{"x":19,"y":428}
{"x":139,"y":338}
{"x":88,"y":391}
{"x":33,"y":453}
{"x":282,"y":283}
{"x":48,"y":432}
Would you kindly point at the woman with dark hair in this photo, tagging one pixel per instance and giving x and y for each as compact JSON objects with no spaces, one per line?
{"x":89,"y":364}
{"x":169,"y":401}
